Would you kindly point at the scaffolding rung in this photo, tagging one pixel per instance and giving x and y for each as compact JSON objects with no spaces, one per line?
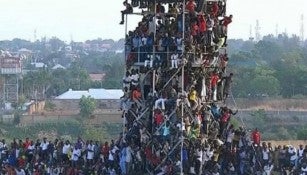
{"x":169,"y":153}
{"x":172,"y":77}
{"x":150,"y":13}
{"x":196,"y":65}
{"x":139,"y":64}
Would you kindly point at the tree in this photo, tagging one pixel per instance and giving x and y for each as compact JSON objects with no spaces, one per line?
{"x":264,"y":82}
{"x":291,"y":72}
{"x":79,"y":77}
{"x":87,"y":106}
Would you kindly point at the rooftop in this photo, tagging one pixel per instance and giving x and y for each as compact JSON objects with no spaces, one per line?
{"x":98,"y":94}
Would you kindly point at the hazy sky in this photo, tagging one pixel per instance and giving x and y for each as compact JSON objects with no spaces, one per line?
{"x":89,"y":19}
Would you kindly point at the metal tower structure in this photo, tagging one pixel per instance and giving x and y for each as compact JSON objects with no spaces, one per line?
{"x":257,"y":31}
{"x":276,"y":30}
{"x":251,"y":38}
{"x":176,"y":75}
{"x":35,"y":35}
{"x":302,"y":29}
{"x":11,"y":70}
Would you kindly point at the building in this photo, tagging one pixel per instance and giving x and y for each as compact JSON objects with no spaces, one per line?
{"x":58,"y":66}
{"x":106,"y":98}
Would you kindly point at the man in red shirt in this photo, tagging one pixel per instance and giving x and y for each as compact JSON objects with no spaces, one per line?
{"x":190,"y":6}
{"x":215,"y":9}
{"x":202,"y":25}
{"x":256,"y":137}
{"x":26,"y":143}
{"x":226,"y":21}
{"x":194,"y":31}
{"x":159,"y":118}
{"x":214,"y":79}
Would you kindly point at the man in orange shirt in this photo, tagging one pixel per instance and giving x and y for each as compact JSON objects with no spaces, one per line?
{"x":136,"y":96}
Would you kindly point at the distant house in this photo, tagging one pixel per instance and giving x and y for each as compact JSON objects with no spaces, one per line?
{"x":24,"y":53}
{"x":58,"y":66}
{"x":39,"y":65}
{"x":106,"y":98}
{"x":97,"y":94}
{"x":97,"y":77}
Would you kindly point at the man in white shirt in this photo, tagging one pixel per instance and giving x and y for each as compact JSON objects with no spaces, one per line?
{"x":293,"y":155}
{"x":160,"y":101}
{"x":76,"y":153}
{"x":3,"y":149}
{"x":66,"y":148}
{"x":268,"y":167}
{"x":44,"y":148}
{"x":128,"y":159}
{"x":20,"y":171}
{"x":210,"y":24}
{"x":134,"y":77}
{"x":178,"y":43}
{"x":174,"y":60}
{"x":112,"y":153}
{"x":149,"y":61}
{"x":30,"y":151}
{"x":300,"y":154}
{"x":90,"y":152}
{"x":265,"y":154}
{"x":199,"y":159}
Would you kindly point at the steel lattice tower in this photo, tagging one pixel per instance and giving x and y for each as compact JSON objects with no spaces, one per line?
{"x":200,"y":62}
{"x":302,"y":29}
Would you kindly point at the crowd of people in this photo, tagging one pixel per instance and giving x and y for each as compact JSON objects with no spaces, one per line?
{"x":176,"y":120}
{"x":176,"y":85}
{"x":240,"y":154}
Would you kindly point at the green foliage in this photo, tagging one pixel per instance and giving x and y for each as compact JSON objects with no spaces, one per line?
{"x":16,"y":120}
{"x":264,"y":82}
{"x":87,"y":106}
{"x":302,"y":134}
{"x":273,"y":66}
{"x":235,"y":122}
{"x":69,"y":129}
{"x":99,"y":134}
{"x":258,"y":119}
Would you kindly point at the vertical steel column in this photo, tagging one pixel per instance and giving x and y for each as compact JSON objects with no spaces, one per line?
{"x":154,"y":70}
{"x":182,"y":88}
{"x":124,"y":113}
